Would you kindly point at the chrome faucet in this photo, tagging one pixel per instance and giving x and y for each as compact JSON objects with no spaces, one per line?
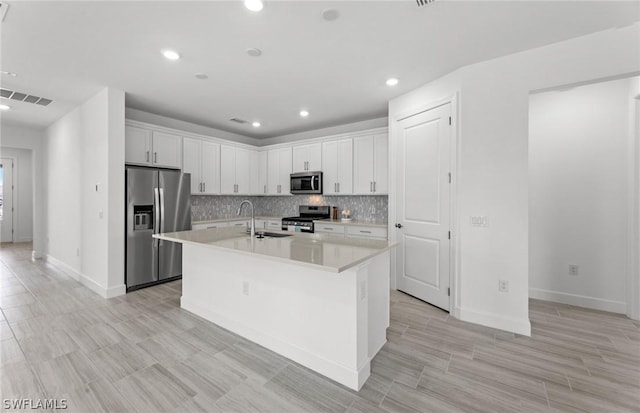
{"x":253,"y":218}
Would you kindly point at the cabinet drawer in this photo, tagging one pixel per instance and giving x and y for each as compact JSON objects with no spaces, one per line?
{"x":239,"y":224}
{"x":209,"y":225}
{"x":272,"y":224}
{"x":360,"y":231}
{"x":329,"y":228}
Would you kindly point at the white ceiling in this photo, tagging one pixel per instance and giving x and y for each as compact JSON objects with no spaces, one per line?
{"x":68,"y":51}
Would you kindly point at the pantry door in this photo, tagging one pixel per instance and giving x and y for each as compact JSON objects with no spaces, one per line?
{"x":423,"y":205}
{"x":6,"y":200}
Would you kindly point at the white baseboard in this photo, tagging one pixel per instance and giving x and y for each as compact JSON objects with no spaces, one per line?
{"x":37,"y":255}
{"x":514,"y":325}
{"x":86,"y":281}
{"x":26,"y":239}
{"x":579,"y":300}
{"x":341,"y":374}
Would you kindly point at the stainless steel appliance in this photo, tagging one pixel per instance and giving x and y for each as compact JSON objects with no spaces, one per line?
{"x":306,"y":183}
{"x":304,"y":222}
{"x":158,"y":200}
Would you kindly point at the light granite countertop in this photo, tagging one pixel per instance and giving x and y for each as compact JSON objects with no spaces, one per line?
{"x":321,"y":251}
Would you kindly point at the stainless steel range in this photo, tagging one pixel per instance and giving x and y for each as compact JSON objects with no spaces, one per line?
{"x":304,"y":222}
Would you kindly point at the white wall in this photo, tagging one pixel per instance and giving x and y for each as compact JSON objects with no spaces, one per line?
{"x":578,"y":191}
{"x":492,"y":170}
{"x":31,"y":219}
{"x":85,"y":182}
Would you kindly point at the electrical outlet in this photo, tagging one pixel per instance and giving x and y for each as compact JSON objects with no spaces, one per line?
{"x":503,"y":286}
{"x":245,"y":288}
{"x":479,"y":221}
{"x":573,"y":269}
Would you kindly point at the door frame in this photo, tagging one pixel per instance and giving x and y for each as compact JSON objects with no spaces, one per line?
{"x":633,"y":238}
{"x":14,"y":190}
{"x":454,"y":254}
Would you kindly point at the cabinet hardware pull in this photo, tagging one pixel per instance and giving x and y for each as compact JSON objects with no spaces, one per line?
{"x":335,"y":187}
{"x":328,"y":229}
{"x":155,"y":157}
{"x":265,"y":189}
{"x":338,"y":186}
{"x":204,"y":187}
{"x":371,"y":186}
{"x":365,"y":232}
{"x":374,"y":186}
{"x":147,"y":156}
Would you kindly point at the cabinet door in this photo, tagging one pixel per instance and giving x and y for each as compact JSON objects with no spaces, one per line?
{"x":137,"y":145}
{"x":285,"y":171}
{"x":273,"y":171}
{"x":243,"y":171}
{"x":363,"y":149}
{"x":330,"y":167}
{"x":227,"y":170}
{"x":314,"y":157}
{"x":345,"y":166}
{"x":167,"y":150}
{"x":191,"y":163}
{"x":262,"y":172}
{"x":210,"y":168}
{"x":381,"y":164}
{"x":299,"y":158}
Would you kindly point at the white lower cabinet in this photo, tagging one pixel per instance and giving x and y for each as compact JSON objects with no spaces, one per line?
{"x":241,"y":223}
{"x":273,"y":224}
{"x":210,"y":225}
{"x":360,"y":231}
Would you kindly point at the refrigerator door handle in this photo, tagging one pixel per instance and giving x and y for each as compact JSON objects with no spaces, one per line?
{"x":161,"y":209}
{"x":156,"y":214}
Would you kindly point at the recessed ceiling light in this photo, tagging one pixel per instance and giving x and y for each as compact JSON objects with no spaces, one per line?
{"x":304,"y":113}
{"x":171,"y":54}
{"x":392,"y":81}
{"x":201,"y":76}
{"x":5,"y":107}
{"x":254,"y":52}
{"x":4,"y":72}
{"x":256,"y":124}
{"x":254,"y":5}
{"x":330,"y":14}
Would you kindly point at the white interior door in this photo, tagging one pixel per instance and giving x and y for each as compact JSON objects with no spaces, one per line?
{"x":6,"y":200}
{"x":423,"y":206}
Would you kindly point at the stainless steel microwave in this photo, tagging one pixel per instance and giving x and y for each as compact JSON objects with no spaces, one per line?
{"x":306,"y":183}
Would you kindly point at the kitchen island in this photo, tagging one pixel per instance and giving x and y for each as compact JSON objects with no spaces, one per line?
{"x":319,"y":300}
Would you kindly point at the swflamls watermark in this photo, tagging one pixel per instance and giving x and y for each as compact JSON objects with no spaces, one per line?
{"x":34,"y":404}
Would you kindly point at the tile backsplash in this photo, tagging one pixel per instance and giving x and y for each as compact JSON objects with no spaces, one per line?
{"x":368,"y":208}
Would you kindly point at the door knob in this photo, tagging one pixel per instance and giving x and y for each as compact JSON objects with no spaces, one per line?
{"x":398,"y":225}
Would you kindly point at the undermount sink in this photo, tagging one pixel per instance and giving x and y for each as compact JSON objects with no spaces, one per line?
{"x":272,"y":234}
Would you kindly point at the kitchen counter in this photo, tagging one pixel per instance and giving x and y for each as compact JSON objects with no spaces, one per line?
{"x":320,"y":251}
{"x":318,"y":299}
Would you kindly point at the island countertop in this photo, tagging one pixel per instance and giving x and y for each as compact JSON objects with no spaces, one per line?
{"x":321,"y":251}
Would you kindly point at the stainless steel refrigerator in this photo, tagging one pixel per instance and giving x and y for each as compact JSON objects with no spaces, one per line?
{"x":158,"y":201}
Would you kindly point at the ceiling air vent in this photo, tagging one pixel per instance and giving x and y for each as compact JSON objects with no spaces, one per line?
{"x":424,"y":2}
{"x":240,"y":121}
{"x":24,"y":97}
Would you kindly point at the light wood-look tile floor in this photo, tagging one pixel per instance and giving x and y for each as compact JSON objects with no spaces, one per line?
{"x":142,"y":353}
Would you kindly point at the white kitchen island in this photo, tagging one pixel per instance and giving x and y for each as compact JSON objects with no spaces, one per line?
{"x":319,"y":300}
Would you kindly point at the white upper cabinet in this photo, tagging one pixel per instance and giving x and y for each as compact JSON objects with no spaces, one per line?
{"x":202,"y":160}
{"x":146,"y":147}
{"x":234,"y":170}
{"x":307,"y":157}
{"x":371,"y":165}
{"x":137,"y":145}
{"x":259,"y":173}
{"x":279,"y":171}
{"x":337,"y":167}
